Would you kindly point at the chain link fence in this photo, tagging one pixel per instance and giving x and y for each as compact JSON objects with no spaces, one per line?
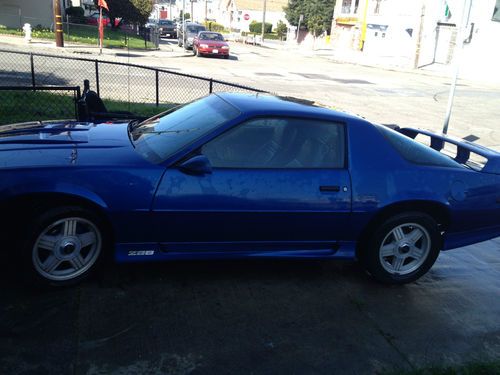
{"x":21,"y":104}
{"x":115,"y":82}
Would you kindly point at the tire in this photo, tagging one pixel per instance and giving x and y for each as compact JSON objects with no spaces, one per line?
{"x":226,"y":57}
{"x":402,"y":248}
{"x":64,"y":245}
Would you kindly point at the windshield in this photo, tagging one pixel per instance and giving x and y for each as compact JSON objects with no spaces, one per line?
{"x":163,"y":135}
{"x":211,"y":36}
{"x":166,"y":22}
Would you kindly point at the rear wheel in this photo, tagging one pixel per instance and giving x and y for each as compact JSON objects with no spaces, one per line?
{"x":402,"y":249}
{"x":65,"y":245}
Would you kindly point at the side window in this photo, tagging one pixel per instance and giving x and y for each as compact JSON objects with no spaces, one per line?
{"x":279,"y":143}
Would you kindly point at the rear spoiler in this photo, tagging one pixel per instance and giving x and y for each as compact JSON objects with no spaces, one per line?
{"x":464,"y":149}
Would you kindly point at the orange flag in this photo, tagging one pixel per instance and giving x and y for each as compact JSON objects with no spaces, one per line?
{"x":103,"y":4}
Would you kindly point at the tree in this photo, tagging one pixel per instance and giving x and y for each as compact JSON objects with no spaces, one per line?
{"x":281,"y":29}
{"x":133,"y":11}
{"x":317,"y":14}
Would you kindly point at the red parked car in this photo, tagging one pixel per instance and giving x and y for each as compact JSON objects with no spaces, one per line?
{"x":93,"y":19}
{"x":210,"y":43}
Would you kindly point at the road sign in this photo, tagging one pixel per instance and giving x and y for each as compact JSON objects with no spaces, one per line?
{"x":246,"y":16}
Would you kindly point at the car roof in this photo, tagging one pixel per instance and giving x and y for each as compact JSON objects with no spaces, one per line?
{"x":261,"y":104}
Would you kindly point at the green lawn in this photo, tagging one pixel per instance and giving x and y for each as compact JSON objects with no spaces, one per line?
{"x":87,"y":34}
{"x":22,"y":106}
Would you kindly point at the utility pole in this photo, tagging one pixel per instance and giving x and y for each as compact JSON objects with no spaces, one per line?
{"x":457,"y":57}
{"x":263,"y":22}
{"x":206,"y":11}
{"x":58,"y":28}
{"x":192,"y":17}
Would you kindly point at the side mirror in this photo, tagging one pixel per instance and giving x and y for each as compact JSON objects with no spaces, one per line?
{"x":197,"y":165}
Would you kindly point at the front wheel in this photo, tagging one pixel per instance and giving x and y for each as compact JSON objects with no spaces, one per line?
{"x":402,"y":249}
{"x":65,"y":246}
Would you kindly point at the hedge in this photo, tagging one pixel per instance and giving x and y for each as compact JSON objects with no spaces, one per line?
{"x":256,"y":27}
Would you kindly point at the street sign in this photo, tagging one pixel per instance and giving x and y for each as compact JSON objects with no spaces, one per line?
{"x":246,"y":17}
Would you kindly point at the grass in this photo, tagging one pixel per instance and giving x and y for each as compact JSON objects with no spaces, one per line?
{"x":87,"y":34}
{"x":22,"y":106}
{"x":473,"y":368}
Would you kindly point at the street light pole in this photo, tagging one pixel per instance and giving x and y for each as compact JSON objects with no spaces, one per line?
{"x":58,"y":26}
{"x":263,"y":22}
{"x":457,"y":57}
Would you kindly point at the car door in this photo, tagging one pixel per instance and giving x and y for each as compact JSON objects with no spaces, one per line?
{"x":275,"y":182}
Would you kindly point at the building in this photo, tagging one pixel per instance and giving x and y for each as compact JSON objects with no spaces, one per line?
{"x":420,"y":33}
{"x":238,"y":14}
{"x":15,"y":13}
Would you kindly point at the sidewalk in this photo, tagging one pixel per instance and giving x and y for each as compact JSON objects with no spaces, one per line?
{"x":48,"y":46}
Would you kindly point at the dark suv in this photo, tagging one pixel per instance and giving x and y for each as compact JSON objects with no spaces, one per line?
{"x":192,"y":29}
{"x":167,"y":28}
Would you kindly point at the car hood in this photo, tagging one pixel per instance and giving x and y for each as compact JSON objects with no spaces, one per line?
{"x":213,"y":43}
{"x":60,"y":143}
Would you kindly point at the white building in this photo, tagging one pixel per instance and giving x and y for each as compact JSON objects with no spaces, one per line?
{"x":15,"y":13}
{"x":238,"y":14}
{"x":420,"y":33}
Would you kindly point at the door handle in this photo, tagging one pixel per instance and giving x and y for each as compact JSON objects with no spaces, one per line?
{"x":331,"y":188}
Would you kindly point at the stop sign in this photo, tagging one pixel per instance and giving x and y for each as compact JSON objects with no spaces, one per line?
{"x":246,"y":16}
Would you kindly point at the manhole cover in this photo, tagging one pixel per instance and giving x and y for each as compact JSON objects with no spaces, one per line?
{"x":471,"y":138}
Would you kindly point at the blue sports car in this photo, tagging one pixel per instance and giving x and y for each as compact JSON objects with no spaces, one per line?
{"x":235,"y":176}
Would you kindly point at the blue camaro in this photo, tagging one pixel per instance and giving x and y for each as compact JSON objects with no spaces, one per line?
{"x":234,"y":176}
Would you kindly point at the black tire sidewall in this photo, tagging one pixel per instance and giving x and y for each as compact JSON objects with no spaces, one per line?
{"x":369,"y":253}
{"x":40,"y":223}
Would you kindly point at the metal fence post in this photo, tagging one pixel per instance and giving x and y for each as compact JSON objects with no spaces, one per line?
{"x":97,"y":77}
{"x":32,"y":62}
{"x":211,"y":85}
{"x":77,"y":95}
{"x":157,"y":89}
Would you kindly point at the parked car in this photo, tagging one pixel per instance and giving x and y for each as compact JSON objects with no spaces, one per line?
{"x":93,"y":19}
{"x":210,"y":43}
{"x":191,"y":30}
{"x":240,"y":176}
{"x":167,"y":28}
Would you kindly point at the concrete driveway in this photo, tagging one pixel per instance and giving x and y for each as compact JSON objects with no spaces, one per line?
{"x":255,"y":317}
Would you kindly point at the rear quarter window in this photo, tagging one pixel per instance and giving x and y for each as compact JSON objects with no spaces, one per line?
{"x":415,"y":152}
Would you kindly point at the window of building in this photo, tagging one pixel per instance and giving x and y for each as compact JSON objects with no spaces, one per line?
{"x":496,"y":12}
{"x":377,"y":7}
{"x":346,"y":6}
{"x":281,"y":143}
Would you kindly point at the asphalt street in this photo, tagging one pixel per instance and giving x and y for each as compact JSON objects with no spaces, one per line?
{"x":262,"y":317}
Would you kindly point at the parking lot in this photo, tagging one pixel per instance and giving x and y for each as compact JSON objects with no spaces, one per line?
{"x":255,"y":317}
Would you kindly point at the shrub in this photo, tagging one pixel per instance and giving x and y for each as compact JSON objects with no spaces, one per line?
{"x":75,"y":12}
{"x":256,"y":27}
{"x":214,"y":26}
{"x":281,"y":30}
